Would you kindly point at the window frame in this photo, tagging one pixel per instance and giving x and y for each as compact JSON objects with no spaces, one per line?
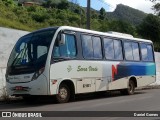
{"x":113,"y":48}
{"x":121,"y":49}
{"x":139,"y":50}
{"x":76,"y":48}
{"x":100,"y":48}
{"x":92,"y":36}
{"x":147,"y":54}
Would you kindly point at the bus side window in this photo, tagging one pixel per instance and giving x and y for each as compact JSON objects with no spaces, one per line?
{"x":113,"y":49}
{"x":92,"y":48}
{"x":147,"y":52}
{"x":87,"y":46}
{"x":135,"y":49}
{"x":109,"y":48}
{"x":128,"y":50}
{"x":97,"y":48}
{"x":150,"y":52}
{"x":118,"y":50}
{"x":65,"y":50}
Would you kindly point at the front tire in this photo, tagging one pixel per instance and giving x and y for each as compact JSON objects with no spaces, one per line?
{"x":64,"y":94}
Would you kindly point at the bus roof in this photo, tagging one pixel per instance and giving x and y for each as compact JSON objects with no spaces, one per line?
{"x":96,"y":32}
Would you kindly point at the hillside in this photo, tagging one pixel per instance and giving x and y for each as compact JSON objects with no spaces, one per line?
{"x":30,"y":18}
{"x":128,"y":14}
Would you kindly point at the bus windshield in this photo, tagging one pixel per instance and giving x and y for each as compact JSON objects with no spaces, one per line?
{"x":30,"y":52}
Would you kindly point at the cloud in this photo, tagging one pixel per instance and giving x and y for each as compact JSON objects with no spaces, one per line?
{"x":143,"y":5}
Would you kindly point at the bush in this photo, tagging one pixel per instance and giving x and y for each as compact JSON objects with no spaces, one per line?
{"x":4,"y":96}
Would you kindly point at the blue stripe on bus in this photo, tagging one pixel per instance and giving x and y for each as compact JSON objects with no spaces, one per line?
{"x":135,"y":69}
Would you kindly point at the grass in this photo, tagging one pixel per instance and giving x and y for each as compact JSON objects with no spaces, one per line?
{"x":14,"y":24}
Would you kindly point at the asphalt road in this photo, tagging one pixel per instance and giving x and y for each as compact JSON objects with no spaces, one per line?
{"x":142,"y":100}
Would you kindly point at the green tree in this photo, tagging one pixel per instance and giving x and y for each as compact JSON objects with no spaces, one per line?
{"x":9,"y":3}
{"x":64,"y":4}
{"x":51,"y":3}
{"x":60,"y":4}
{"x":150,"y":28}
{"x":122,"y":26}
{"x":156,"y":8}
{"x":102,"y":14}
{"x":103,"y":25}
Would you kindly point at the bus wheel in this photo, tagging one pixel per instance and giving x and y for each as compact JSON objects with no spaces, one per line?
{"x":63,"y":95}
{"x":129,"y":90}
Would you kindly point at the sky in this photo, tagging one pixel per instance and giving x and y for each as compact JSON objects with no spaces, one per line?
{"x":143,"y":5}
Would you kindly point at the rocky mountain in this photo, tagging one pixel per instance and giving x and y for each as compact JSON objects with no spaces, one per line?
{"x":128,"y":14}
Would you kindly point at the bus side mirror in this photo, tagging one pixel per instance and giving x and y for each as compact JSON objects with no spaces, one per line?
{"x":62,"y":39}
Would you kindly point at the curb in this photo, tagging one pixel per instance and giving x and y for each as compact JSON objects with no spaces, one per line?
{"x":9,"y":100}
{"x":149,"y":87}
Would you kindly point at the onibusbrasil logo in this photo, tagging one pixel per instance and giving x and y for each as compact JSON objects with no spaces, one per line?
{"x":21,"y":114}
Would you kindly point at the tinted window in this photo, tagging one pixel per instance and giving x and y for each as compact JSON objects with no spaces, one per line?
{"x":41,"y":50}
{"x":66,"y":50}
{"x":135,"y":48}
{"x":144,"y":52}
{"x":147,"y":52}
{"x":128,"y":50}
{"x":108,"y":47}
{"x":97,"y":47}
{"x":150,"y":52}
{"x":118,"y":50}
{"x":87,"y":47}
{"x":32,"y":49}
{"x":91,"y":47}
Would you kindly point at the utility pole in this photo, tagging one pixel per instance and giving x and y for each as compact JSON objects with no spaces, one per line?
{"x":88,"y":13}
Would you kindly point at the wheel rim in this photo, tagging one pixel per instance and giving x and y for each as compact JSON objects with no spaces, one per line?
{"x":63,"y":93}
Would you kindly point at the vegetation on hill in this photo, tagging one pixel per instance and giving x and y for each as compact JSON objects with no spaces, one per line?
{"x":62,"y":12}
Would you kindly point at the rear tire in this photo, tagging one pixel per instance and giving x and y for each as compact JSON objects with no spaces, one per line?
{"x":129,"y":90}
{"x":64,"y":94}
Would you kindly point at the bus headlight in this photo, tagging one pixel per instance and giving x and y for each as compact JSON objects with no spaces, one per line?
{"x":38,"y":73}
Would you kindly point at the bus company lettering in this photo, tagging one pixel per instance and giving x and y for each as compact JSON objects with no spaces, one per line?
{"x":90,"y":68}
